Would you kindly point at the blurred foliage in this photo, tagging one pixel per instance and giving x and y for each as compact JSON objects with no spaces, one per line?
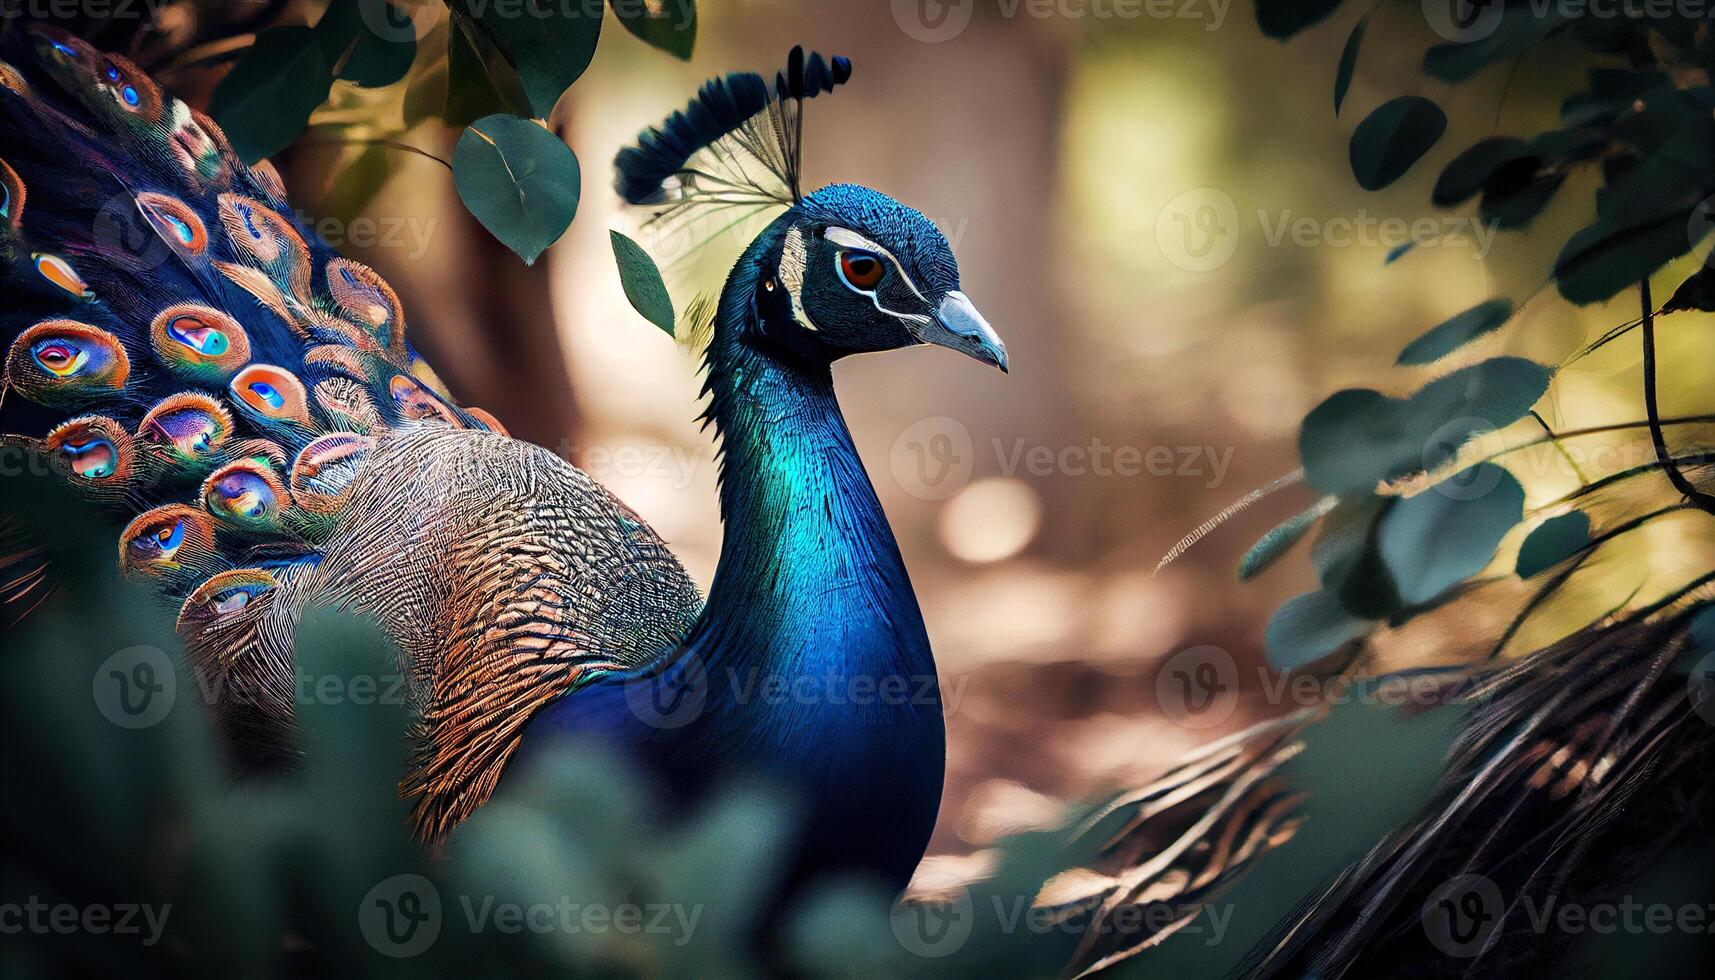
{"x":570,"y":868}
{"x":1646,"y":123}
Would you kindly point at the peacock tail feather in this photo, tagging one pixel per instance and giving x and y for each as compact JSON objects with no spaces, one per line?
{"x":185,"y":352}
{"x":1560,"y":752}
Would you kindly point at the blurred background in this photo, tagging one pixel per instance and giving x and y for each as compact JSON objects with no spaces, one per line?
{"x":1153,"y":206}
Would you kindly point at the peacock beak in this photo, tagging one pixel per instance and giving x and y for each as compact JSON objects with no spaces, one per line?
{"x":958,"y":326}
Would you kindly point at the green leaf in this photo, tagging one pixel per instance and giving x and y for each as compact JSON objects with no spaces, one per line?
{"x":1673,"y":179}
{"x":1309,"y":627}
{"x":548,"y":43}
{"x":1392,"y":138}
{"x":1280,"y":540}
{"x":1600,"y":261}
{"x":1346,"y":560}
{"x":1457,"y":331}
{"x":1696,"y":292}
{"x":1519,"y":28}
{"x":1349,"y":62}
{"x":469,"y":81}
{"x":1552,"y":542}
{"x":642,"y":282}
{"x":1449,"y":532}
{"x":1359,"y":437}
{"x":370,"y":43}
{"x":1518,"y":193}
{"x":669,"y":25}
{"x":1284,"y":18}
{"x":1465,"y":176}
{"x":266,"y":100}
{"x":519,"y":180}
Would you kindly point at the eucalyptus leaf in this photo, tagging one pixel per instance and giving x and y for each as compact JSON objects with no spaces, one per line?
{"x":1518,"y":27}
{"x":1468,"y":172}
{"x":1392,"y":138}
{"x":1309,"y":627}
{"x":642,"y":282}
{"x":1457,"y":331}
{"x":668,"y":25}
{"x":1600,"y":261}
{"x":469,"y":81}
{"x":1696,"y":292}
{"x":548,"y":43}
{"x":1359,"y":437}
{"x":1347,"y":563}
{"x":1280,"y":540}
{"x":370,"y":43}
{"x":1284,"y":18}
{"x":1449,"y":532}
{"x":1515,"y":197}
{"x":1553,"y":541}
{"x":266,"y":100}
{"x":519,"y":180}
{"x":1349,"y":61}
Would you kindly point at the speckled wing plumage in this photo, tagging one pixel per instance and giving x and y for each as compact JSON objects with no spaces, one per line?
{"x":181,"y":349}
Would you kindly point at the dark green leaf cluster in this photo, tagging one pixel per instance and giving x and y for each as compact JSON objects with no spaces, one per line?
{"x":485,"y":67}
{"x":1401,"y":527}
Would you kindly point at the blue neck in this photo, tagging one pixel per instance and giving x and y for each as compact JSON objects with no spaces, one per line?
{"x":818,"y":670}
{"x":810,"y":579}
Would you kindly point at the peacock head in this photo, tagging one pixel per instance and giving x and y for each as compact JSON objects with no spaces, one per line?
{"x":843,"y":270}
{"x":857,"y":271}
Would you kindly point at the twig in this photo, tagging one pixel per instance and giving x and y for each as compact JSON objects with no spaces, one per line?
{"x":390,"y":144}
{"x":1699,"y":499}
{"x":1555,"y":440}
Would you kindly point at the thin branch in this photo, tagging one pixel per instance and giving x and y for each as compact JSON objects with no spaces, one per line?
{"x":390,"y":144}
{"x":1699,"y":499}
{"x":1555,"y":441}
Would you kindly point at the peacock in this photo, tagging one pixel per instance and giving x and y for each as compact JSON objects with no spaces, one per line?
{"x":185,"y":352}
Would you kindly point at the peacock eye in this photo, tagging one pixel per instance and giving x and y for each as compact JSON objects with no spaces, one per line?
{"x":59,"y":358}
{"x":861,"y":270}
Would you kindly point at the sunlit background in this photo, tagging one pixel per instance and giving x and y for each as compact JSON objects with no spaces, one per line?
{"x":1157,"y":214}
